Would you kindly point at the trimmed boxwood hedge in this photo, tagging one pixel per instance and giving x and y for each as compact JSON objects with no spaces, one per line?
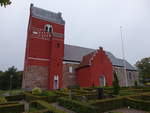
{"x":30,"y":97}
{"x":138,"y":104}
{"x":12,"y":108}
{"x":48,"y":106}
{"x":108,"y":104}
{"x":40,"y":111}
{"x":76,"y":106}
{"x":15,"y":97}
{"x":115,"y":103}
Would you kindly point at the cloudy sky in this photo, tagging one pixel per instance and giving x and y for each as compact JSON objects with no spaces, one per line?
{"x":89,"y":23}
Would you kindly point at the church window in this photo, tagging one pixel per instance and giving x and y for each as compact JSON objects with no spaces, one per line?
{"x":70,"y":69}
{"x":130,"y":76}
{"x":48,"y":28}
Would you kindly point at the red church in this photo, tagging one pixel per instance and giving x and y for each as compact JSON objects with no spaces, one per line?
{"x":51,"y":64}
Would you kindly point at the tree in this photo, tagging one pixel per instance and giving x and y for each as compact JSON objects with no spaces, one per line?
{"x":5,"y":2}
{"x":116,"y":86}
{"x":11,"y":78}
{"x":144,"y":69}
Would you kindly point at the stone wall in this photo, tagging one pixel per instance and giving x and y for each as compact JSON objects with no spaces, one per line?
{"x":132,"y":76}
{"x":35,"y":76}
{"x":69,"y":78}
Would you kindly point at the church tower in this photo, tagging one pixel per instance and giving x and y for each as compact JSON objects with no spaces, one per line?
{"x":44,"y":50}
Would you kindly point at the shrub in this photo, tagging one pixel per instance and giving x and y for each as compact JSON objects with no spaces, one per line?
{"x":2,"y":100}
{"x":76,"y":106}
{"x":116,"y":86}
{"x":135,"y":83}
{"x":48,"y":93}
{"x":36,"y":91}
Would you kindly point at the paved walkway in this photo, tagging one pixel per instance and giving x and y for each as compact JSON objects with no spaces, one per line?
{"x":126,"y":110}
{"x":62,"y":108}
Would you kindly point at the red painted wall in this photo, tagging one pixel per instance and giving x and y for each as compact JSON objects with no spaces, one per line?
{"x":100,"y":65}
{"x":84,"y":77}
{"x":45,"y":48}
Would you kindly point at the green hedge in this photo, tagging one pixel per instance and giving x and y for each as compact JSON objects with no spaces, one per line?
{"x":30,"y":97}
{"x":76,"y":106}
{"x":138,"y":104}
{"x":108,"y":104}
{"x":40,"y":111}
{"x":12,"y":108}
{"x":15,"y":97}
{"x":35,"y":104}
{"x":87,"y":96}
{"x":2,"y":100}
{"x":48,"y":106}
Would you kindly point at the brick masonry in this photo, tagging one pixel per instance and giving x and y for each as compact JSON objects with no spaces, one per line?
{"x":69,"y":78}
{"x":35,"y":76}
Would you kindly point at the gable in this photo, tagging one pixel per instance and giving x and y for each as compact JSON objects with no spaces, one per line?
{"x":75,"y":54}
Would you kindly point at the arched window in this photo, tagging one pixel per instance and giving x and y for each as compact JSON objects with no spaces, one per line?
{"x":48,"y":28}
{"x":102,"y":80}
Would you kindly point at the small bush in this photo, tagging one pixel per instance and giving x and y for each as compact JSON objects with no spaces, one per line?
{"x":36,"y":91}
{"x":48,"y":93}
{"x":135,"y":83}
{"x":2,"y":100}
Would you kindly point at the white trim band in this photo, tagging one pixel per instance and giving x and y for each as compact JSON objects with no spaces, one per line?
{"x":42,"y":59}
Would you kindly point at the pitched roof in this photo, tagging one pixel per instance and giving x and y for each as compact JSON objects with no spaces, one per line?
{"x":75,"y":53}
{"x":46,"y":15}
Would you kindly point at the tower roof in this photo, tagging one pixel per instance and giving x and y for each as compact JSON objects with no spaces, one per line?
{"x":46,"y":15}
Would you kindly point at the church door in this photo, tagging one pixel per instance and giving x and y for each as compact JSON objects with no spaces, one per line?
{"x":56,"y":82}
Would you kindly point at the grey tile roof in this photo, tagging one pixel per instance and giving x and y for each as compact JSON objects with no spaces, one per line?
{"x":75,"y":53}
{"x":47,"y":15}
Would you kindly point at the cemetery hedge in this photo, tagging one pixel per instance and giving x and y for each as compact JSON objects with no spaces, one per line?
{"x":76,"y":106}
{"x":12,"y":108}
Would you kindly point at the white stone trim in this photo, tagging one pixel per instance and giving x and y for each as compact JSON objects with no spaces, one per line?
{"x":42,"y":59}
{"x":41,"y":38}
{"x":69,"y":62}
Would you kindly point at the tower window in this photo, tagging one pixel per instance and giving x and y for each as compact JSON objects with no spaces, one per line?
{"x":58,"y":44}
{"x":48,"y":28}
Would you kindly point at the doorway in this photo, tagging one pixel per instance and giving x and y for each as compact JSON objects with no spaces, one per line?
{"x":56,"y":82}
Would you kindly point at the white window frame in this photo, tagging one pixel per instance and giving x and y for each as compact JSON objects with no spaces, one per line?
{"x":49,"y":27}
{"x":70,"y":69}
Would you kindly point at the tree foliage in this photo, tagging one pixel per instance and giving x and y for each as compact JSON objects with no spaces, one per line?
{"x":144,"y":69}
{"x":5,"y":2}
{"x":10,"y":79}
{"x":116,"y":86}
